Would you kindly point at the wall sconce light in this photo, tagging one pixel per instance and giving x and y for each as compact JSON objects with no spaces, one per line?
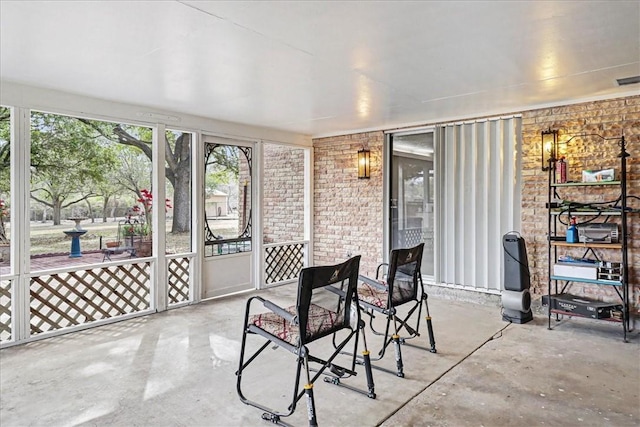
{"x":364,"y":164}
{"x":549,"y":148}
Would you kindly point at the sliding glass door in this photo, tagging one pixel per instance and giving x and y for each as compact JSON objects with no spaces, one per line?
{"x":411,"y":194}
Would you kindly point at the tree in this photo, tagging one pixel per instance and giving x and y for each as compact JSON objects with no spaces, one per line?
{"x":4,"y":213}
{"x":222,"y":166}
{"x":178,"y":172}
{"x":108,"y":191}
{"x":177,"y":160}
{"x":134,"y":173}
{"x":66,"y":161}
{"x":5,"y":154}
{"x":5,"y":163}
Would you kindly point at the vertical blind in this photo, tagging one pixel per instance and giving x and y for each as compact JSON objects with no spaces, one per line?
{"x":478,"y":169}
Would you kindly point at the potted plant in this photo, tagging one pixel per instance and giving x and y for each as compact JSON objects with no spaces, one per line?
{"x":140,"y":228}
{"x":113,"y":244}
{"x":137,"y":233}
{"x":143,"y":241}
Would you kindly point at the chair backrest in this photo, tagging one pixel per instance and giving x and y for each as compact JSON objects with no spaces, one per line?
{"x":325,"y":296}
{"x":404,"y":273}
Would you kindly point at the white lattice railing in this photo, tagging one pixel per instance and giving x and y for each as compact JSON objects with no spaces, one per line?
{"x":63,"y":299}
{"x":6,"y":333}
{"x":72,"y":297}
{"x":283,"y":261}
{"x":178,"y":274}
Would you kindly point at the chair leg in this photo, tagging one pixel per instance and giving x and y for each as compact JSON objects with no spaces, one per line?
{"x":337,"y":372}
{"x":367,"y":369}
{"x":311,"y":407}
{"x":308,"y":391}
{"x":414,"y":332}
{"x":389,"y":339}
{"x":425,"y":297}
{"x":367,"y":363}
{"x":404,"y":323}
{"x":270,"y":415}
{"x":432,"y":339}
{"x":396,"y":344}
{"x":386,"y":335}
{"x":371,"y":318}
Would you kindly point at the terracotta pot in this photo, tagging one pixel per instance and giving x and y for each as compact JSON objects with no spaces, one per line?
{"x":143,"y":247}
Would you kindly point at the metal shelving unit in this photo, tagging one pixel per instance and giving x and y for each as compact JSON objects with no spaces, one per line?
{"x":560,"y":284}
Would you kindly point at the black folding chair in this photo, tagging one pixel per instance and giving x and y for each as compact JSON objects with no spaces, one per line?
{"x":403,"y":285}
{"x":327,"y":304}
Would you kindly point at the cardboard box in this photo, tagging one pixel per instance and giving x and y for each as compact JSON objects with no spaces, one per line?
{"x":577,"y":270}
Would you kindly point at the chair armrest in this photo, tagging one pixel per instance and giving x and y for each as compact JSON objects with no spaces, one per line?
{"x":379,"y":267}
{"x":371,"y":282}
{"x":403,"y":276}
{"x":291,"y":318}
{"x":336,"y":291}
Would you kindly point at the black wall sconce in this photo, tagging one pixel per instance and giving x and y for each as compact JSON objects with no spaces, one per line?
{"x":549,"y":148}
{"x":364,"y":164}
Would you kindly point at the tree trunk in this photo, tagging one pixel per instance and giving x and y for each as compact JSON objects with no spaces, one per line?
{"x":105,"y":202}
{"x":57,"y":211}
{"x":182,"y":200}
{"x":181,"y":180}
{"x":93,"y":220}
{"x":114,"y":209}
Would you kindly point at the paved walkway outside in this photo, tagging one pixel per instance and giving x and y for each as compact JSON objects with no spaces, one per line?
{"x":53,"y":261}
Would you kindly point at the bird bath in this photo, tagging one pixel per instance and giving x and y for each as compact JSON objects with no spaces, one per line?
{"x":75,"y":237}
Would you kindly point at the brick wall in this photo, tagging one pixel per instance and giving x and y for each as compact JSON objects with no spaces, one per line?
{"x":347,"y":210}
{"x":283,"y":196}
{"x":610,"y":119}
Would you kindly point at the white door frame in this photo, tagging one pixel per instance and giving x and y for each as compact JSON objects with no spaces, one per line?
{"x":227,"y":274}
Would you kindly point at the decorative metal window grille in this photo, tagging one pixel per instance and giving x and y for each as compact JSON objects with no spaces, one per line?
{"x":73,"y":298}
{"x":283,"y":262}
{"x":5,"y":310}
{"x":178,"y":277}
{"x":217,"y":245}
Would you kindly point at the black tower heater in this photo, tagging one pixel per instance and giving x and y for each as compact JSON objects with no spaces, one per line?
{"x":516,"y":299}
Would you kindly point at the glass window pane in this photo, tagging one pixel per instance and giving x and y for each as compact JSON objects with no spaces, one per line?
{"x":90,"y":191}
{"x":178,"y":191}
{"x":227,"y":199}
{"x":5,"y":190}
{"x":412,"y":197}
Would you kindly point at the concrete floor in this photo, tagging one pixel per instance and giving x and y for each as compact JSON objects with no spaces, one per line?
{"x":177,"y":369}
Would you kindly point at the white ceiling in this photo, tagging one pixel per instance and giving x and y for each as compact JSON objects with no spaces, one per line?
{"x":325,"y":67}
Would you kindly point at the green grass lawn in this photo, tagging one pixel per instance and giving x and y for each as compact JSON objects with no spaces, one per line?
{"x":49,"y":239}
